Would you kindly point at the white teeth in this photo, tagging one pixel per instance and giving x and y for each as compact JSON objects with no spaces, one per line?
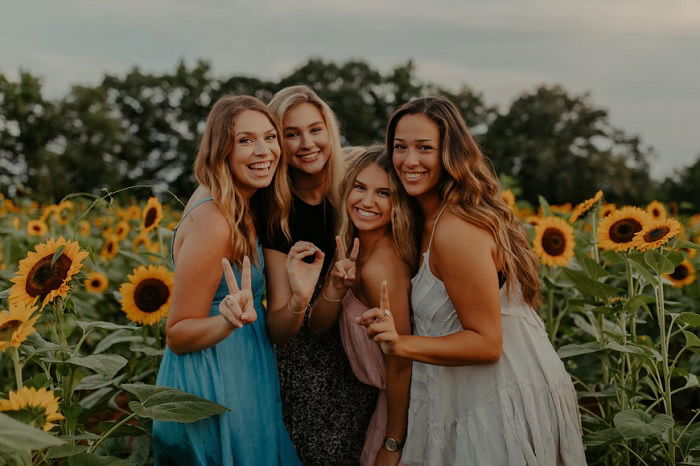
{"x":366,"y":213}
{"x":412,"y":176}
{"x":308,"y":157}
{"x":260,"y":165}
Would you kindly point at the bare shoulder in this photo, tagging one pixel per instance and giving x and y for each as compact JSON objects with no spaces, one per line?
{"x":454,"y":233}
{"x":385,"y":264}
{"x":206,"y":228}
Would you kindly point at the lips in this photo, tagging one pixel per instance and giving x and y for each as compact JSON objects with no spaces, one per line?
{"x":413,"y":176}
{"x":310,"y":157}
{"x":261,"y":169}
{"x":366,"y":213}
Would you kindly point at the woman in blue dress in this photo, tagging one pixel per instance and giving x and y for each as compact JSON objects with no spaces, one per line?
{"x":217,"y":335}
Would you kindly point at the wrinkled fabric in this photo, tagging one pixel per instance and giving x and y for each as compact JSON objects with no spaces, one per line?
{"x":521,"y":410}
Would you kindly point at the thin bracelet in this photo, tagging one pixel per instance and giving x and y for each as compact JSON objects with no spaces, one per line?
{"x":289,"y":308}
{"x":329,"y":299}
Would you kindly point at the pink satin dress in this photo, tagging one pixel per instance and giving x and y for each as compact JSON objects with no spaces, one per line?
{"x":367,"y":362}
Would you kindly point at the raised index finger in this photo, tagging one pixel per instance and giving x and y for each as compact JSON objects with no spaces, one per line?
{"x":245,"y":275}
{"x":229,"y":276}
{"x":384,"y":296}
{"x":340,"y":247}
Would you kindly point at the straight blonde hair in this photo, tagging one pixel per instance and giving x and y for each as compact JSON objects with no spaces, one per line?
{"x":212,"y":169}
{"x":402,"y":224}
{"x":286,"y":100}
{"x":471,"y":191}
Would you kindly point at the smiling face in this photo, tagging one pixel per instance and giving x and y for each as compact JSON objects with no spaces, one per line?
{"x":307,"y":139}
{"x":256,"y":151}
{"x":369,"y":202}
{"x":416,"y":154}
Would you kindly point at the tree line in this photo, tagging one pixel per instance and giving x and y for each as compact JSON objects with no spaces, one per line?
{"x":143,"y":128}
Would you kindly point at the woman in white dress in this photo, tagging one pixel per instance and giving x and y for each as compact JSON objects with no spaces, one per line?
{"x":487,"y":388}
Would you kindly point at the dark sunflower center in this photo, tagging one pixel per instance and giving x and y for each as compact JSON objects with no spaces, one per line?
{"x":553,"y":241}
{"x":36,"y":228}
{"x":110,"y":247}
{"x":656,"y":234}
{"x":42,"y":278}
{"x":624,"y":230}
{"x":8,"y":328}
{"x":655,"y":212}
{"x":681,"y":272}
{"x":150,"y":217}
{"x":151,"y":294}
{"x":96,"y":283}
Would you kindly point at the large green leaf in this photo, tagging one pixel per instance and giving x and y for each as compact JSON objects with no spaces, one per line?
{"x":690,"y":318}
{"x":642,"y":270}
{"x":636,"y":424}
{"x":114,"y":338}
{"x":15,"y":435}
{"x":592,"y":268}
{"x":93,"y":382}
{"x":692,"y":341}
{"x":602,"y":437}
{"x":687,"y":244}
{"x":65,"y":451}
{"x":105,"y":364}
{"x":124,"y":430}
{"x":589,"y":286}
{"x":169,"y":404}
{"x":658,"y":262}
{"x":575,"y":349}
{"x":88,"y":326}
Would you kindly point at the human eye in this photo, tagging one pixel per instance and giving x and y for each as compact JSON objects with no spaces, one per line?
{"x":245,"y":140}
{"x":399,"y":146}
{"x":316,"y":130}
{"x":425,"y":147}
{"x":359,"y":187}
{"x":383,"y":193}
{"x":271,"y":137}
{"x":290,"y":134}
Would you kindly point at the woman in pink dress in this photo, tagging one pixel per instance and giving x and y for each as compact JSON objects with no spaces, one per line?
{"x":374,"y":221}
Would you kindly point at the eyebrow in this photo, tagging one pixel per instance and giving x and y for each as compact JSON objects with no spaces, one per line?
{"x":358,"y":181}
{"x":253,"y":133}
{"x":308,"y":126}
{"x":417,"y":140}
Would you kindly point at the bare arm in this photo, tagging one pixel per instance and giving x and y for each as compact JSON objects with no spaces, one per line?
{"x":462,"y":256}
{"x":197,"y":276}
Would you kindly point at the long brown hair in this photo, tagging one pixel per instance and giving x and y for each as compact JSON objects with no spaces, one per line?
{"x":285,"y":100}
{"x":212,"y":169}
{"x":402,"y":225}
{"x":471,"y":191}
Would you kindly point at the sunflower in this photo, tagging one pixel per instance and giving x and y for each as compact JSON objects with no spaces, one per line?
{"x":140,"y":240}
{"x":533,"y":220}
{"x":96,"y":282}
{"x":152,"y":214}
{"x":16,"y":325}
{"x":509,"y":198}
{"x":584,"y":207}
{"x":107,"y":231}
{"x":657,"y":210}
{"x":38,"y":279}
{"x":48,"y":211}
{"x":656,"y":233}
{"x":152,"y":246}
{"x":84,"y":228}
{"x":37,"y":228}
{"x":607,"y":209}
{"x":146,"y":296}
{"x":690,"y":253}
{"x":110,"y":248}
{"x":122,"y":230}
{"x":133,"y":212}
{"x":38,"y":408}
{"x":554,"y":241}
{"x":62,"y":214}
{"x":616,"y":231}
{"x":683,"y":275}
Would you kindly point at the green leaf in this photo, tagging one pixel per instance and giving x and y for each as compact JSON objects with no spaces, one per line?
{"x":633,"y":305}
{"x":91,"y":459}
{"x":169,"y":404}
{"x":96,"y":381}
{"x":15,"y":435}
{"x":145,"y":349}
{"x":575,"y":349}
{"x":135,"y":257}
{"x":89,"y":326}
{"x":636,"y":424}
{"x":642,"y":270}
{"x":57,"y":254}
{"x":692,"y":341}
{"x":105,"y":364}
{"x":602,"y":437}
{"x":546,"y":211}
{"x":592,"y":268}
{"x":690,"y":318}
{"x":125,"y":430}
{"x":658,"y":262}
{"x":676,"y":257}
{"x":65,"y":451}
{"x":625,"y":348}
{"x":114,"y":338}
{"x":588,"y":286}
{"x":687,"y":244}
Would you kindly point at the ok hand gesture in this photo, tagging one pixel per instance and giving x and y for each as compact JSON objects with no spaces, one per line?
{"x":344,"y":272}
{"x":303,"y":275}
{"x":238,"y":307}
{"x":380,"y":323}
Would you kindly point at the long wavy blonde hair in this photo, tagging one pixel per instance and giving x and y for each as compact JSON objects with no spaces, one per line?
{"x":285,"y":100}
{"x":402,"y":225}
{"x":212,"y":169}
{"x":471,"y":191}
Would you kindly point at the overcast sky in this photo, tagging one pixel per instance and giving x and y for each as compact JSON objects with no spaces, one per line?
{"x":639,"y":58}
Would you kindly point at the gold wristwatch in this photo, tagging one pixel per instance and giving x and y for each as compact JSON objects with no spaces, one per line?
{"x":392,"y":444}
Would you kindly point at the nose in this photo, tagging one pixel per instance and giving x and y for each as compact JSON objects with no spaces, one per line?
{"x":306,"y":141}
{"x":260,"y":147}
{"x":367,"y":199}
{"x":411,"y":160}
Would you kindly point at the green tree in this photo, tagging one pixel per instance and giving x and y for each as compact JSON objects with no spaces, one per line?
{"x":681,"y":187}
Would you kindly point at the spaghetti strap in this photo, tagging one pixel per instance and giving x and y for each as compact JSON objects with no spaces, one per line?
{"x":172,"y":241}
{"x":430,"y":243}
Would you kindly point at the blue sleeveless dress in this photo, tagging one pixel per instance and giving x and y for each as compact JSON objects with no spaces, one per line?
{"x":239,"y":372}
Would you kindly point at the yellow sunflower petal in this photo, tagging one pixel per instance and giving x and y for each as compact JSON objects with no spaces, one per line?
{"x":96,"y":282}
{"x":585,"y":206}
{"x":683,"y":275}
{"x":656,"y":210}
{"x":31,"y":406}
{"x":146,"y":296}
{"x":656,"y":233}
{"x":554,"y":241}
{"x":616,"y":231}
{"x":16,"y":325}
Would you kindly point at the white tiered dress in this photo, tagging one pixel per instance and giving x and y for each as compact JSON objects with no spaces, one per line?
{"x":521,"y":410}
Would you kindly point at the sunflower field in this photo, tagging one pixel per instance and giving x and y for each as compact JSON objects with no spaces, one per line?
{"x":88,"y":281}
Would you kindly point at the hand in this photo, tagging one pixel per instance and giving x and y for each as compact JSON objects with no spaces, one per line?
{"x":344,"y":272}
{"x":302,"y":275}
{"x":380,"y":323}
{"x":387,"y":458}
{"x":238,"y":307}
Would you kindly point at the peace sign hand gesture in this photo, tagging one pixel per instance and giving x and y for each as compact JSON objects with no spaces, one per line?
{"x":380,"y":323}
{"x":238,"y":307}
{"x":344,"y":272}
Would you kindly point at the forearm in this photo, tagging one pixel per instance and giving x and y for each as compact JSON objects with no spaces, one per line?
{"x":398,"y":384}
{"x":195,"y":334}
{"x":286,"y":320}
{"x":326,"y":309}
{"x":458,"y":349}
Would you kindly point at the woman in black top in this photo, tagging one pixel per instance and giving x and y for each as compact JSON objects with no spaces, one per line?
{"x":326,"y":409}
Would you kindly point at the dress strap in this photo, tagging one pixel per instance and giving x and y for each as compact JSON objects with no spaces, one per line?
{"x":430,"y":243}
{"x":172,"y":242}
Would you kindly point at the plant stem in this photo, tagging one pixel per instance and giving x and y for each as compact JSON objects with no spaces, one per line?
{"x":661,"y":311}
{"x":109,"y":432}
{"x":18,"y":367}
{"x":594,"y":235}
